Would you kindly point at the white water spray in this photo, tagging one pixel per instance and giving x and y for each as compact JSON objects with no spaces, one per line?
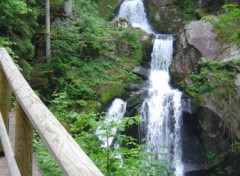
{"x":133,"y":11}
{"x":115,"y":114}
{"x":161,"y":110}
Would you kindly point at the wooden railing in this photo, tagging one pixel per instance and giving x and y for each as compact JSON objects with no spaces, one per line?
{"x":32,"y":113}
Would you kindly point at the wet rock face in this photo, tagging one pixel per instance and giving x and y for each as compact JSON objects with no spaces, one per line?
{"x":203,"y":132}
{"x":134,"y":103}
{"x":186,"y":58}
{"x":214,"y":132}
{"x":163,"y":16}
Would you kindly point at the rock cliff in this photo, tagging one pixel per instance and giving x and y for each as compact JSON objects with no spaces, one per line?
{"x":214,"y":118}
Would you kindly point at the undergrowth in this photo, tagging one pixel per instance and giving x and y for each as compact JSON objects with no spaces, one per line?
{"x":227,"y":25}
{"x":46,"y":162}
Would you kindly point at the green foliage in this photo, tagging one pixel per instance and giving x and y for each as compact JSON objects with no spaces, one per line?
{"x":217,"y":78}
{"x":18,"y":25}
{"x":90,"y":57}
{"x":200,"y":83}
{"x":186,"y":7}
{"x":222,"y":171}
{"x":90,"y":80}
{"x":212,"y":158}
{"x":56,"y":3}
{"x":221,"y":78}
{"x":127,"y":159}
{"x":214,"y":77}
{"x":227,"y":25}
{"x":108,"y":90}
{"x":11,"y":8}
{"x":108,"y":8}
{"x":236,"y":147}
{"x":46,"y":162}
{"x":4,"y":42}
{"x":87,"y":54}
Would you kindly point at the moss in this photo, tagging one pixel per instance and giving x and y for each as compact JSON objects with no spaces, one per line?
{"x":109,"y":90}
{"x":201,"y":12}
{"x":93,"y":106}
{"x":152,"y":8}
{"x":108,"y":8}
{"x":161,"y":18}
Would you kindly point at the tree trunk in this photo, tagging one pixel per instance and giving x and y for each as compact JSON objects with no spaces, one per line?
{"x":68,"y":8}
{"x":48,"y":42}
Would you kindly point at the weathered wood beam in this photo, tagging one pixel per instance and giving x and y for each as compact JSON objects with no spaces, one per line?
{"x":5,"y":99}
{"x":23,"y":142}
{"x":11,"y":162}
{"x":68,"y":154}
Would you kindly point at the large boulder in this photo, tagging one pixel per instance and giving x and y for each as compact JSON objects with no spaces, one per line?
{"x":195,"y":43}
{"x":200,"y":35}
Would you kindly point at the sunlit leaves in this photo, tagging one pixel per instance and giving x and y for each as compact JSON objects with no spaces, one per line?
{"x":227,"y":25}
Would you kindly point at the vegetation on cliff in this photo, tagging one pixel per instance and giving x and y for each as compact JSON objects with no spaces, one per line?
{"x":227,"y":25}
{"x":91,"y":61}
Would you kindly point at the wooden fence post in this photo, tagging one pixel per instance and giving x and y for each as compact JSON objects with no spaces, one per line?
{"x":23,"y":142}
{"x":5,"y":99}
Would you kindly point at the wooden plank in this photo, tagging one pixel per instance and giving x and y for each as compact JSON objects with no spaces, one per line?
{"x":11,"y":162}
{"x":23,"y":142}
{"x":68,"y":154}
{"x":4,"y":171}
{"x":5,"y":99}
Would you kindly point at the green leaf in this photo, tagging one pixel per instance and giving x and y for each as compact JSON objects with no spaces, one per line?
{"x":130,"y":121}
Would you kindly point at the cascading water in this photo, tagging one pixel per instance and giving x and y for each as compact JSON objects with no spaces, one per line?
{"x":115,"y":114}
{"x":161,"y":110}
{"x":133,"y":11}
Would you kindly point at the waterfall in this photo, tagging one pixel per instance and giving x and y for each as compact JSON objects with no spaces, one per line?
{"x":133,"y":11}
{"x":115,"y":114}
{"x":161,"y":110}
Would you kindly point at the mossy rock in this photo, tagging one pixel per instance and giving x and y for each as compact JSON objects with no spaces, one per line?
{"x":160,"y":18}
{"x":163,"y":16}
{"x":201,"y":12}
{"x":93,"y":106}
{"x":109,"y":90}
{"x":107,"y":8}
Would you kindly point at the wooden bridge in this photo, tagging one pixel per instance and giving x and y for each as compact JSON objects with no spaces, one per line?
{"x":32,"y":114}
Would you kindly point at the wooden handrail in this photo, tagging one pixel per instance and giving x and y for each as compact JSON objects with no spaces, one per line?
{"x":70,"y":157}
{"x":13,"y":168}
